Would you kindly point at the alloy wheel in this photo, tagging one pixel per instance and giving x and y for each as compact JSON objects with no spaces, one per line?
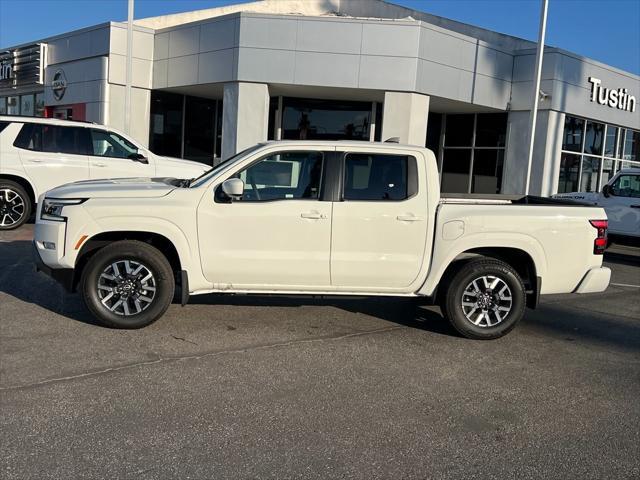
{"x":126,"y":287}
{"x":487,"y":301}
{"x":12,"y":207}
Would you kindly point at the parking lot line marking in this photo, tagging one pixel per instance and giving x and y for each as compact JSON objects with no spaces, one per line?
{"x":624,"y":285}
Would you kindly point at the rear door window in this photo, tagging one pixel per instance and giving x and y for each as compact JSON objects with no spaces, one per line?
{"x":53,"y":138}
{"x":379,"y":177}
{"x":3,"y":125}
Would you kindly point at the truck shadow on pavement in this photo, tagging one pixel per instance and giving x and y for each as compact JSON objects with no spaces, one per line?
{"x":19,"y":279}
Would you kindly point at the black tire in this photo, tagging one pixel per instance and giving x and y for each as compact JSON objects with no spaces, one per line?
{"x":460,"y":280}
{"x":18,"y":203}
{"x":138,"y":253}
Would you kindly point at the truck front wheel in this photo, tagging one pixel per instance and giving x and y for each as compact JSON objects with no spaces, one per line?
{"x":484,"y":299}
{"x":127,"y":284}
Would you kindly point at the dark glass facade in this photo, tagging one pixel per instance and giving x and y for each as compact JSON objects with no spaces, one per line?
{"x":185,"y":127}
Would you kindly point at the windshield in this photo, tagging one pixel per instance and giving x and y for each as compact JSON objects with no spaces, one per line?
{"x":196,"y":182}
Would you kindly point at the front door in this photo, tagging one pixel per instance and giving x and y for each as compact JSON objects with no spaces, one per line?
{"x":623,"y":205}
{"x":277,"y":236}
{"x":380,"y":226}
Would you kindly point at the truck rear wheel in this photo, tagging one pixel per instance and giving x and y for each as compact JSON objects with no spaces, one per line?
{"x":15,"y":205}
{"x":484,"y":299}
{"x":127,"y":284}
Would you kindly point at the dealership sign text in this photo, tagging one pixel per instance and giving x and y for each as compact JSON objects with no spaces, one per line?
{"x":614,"y":98}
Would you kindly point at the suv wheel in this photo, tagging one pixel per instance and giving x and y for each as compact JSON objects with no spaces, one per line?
{"x":127,"y":284}
{"x":484,"y":299}
{"x":15,"y":205}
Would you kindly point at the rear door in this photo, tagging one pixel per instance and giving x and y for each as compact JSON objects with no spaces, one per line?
{"x":380,"y":221}
{"x":623,"y":205}
{"x":53,"y":155}
{"x":112,"y":156}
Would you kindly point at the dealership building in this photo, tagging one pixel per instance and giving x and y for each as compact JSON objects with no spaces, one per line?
{"x":208,"y":83}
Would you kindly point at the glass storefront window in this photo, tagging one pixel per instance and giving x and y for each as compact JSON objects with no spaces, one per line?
{"x":3,"y":105}
{"x":487,"y":171}
{"x":13,"y":106}
{"x":573,"y":130}
{"x":199,"y":124}
{"x":491,"y":130}
{"x":459,"y":131}
{"x":602,"y":146}
{"x":39,"y":104}
{"x":456,"y":165}
{"x":611,"y":141}
{"x":594,"y":138}
{"x":569,"y":171}
{"x":608,"y":170}
{"x":309,"y":119}
{"x":165,"y":135}
{"x":472,"y":161}
{"x":589,"y":174}
{"x":631,"y":145}
{"x":27,"y":108}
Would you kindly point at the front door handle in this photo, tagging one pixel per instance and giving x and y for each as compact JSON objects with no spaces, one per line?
{"x":313,"y":215}
{"x":635,"y":206}
{"x":409,"y":218}
{"x":99,"y":164}
{"x":35,"y":160}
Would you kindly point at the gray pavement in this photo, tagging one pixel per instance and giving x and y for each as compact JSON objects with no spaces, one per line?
{"x":246,"y":387}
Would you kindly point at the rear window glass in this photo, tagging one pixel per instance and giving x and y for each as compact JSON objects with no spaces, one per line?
{"x":52,"y":138}
{"x":378,"y":177}
{"x":3,"y":125}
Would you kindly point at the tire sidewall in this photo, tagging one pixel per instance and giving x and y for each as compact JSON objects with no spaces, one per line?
{"x":28,"y":207}
{"x":460,"y":282}
{"x":145,"y":254}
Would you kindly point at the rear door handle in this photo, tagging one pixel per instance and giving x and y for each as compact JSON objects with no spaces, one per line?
{"x":635,"y":206}
{"x":99,"y":164}
{"x":35,"y":160}
{"x":408,"y":218}
{"x":313,"y":215}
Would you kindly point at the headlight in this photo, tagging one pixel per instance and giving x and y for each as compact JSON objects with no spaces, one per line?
{"x":52,"y":208}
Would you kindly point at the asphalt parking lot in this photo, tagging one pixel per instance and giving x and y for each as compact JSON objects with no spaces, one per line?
{"x":245,"y":387}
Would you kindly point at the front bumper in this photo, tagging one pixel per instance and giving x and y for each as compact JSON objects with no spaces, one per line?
{"x":64,"y":276}
{"x":596,"y":280}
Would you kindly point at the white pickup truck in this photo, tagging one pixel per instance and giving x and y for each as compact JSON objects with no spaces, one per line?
{"x":620,"y":198}
{"x":316,"y":218}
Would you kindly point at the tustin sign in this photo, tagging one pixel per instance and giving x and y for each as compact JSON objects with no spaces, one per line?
{"x":613,"y":98}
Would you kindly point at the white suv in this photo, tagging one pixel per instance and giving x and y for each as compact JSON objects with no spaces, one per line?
{"x":38,"y":154}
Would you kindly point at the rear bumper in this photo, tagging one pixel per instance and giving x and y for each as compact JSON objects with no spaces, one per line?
{"x":64,"y":276}
{"x":596,"y":280}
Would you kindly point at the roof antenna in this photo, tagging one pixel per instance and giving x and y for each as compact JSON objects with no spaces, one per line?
{"x":392,"y":140}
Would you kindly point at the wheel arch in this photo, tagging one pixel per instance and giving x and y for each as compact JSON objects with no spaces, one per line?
{"x":24,"y":183}
{"x":520,"y":260}
{"x":94,"y":244}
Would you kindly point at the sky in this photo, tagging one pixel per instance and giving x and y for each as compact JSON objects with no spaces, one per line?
{"x":605,"y":30}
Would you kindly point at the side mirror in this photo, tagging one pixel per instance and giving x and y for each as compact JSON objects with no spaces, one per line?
{"x":138,"y":157}
{"x":607,"y":191}
{"x":233,"y":187}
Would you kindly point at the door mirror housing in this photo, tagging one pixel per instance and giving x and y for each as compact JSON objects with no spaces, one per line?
{"x":138,"y":157}
{"x":233,"y":188}
{"x":607,"y":191}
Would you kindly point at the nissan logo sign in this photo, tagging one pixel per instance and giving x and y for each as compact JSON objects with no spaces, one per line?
{"x":59,"y":84}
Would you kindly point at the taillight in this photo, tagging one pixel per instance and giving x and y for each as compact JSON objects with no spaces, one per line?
{"x":600,"y":243}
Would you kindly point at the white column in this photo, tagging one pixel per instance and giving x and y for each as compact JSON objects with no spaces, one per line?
{"x":405,"y":116}
{"x":245,"y":116}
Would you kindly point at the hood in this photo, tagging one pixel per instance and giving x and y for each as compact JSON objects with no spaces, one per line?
{"x":187,"y":168}
{"x":586,"y":197}
{"x":116,"y":187}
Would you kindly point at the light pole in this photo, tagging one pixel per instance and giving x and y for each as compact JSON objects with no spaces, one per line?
{"x":129,"y":73}
{"x":536,"y":91}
